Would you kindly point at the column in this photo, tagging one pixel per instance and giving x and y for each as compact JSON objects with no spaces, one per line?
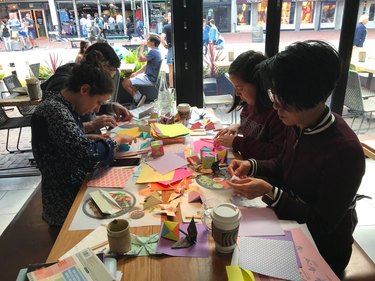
{"x":52,"y":8}
{"x":123,"y":14}
{"x":99,"y":8}
{"x":76,"y":16}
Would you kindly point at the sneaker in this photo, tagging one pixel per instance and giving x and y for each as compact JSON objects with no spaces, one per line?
{"x":141,"y":101}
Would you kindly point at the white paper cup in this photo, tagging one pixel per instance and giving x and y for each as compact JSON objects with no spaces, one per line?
{"x":225,"y":224}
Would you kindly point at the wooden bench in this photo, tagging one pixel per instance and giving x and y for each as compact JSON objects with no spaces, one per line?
{"x":27,"y":239}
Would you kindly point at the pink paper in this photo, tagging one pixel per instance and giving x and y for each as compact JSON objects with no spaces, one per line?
{"x":110,"y":177}
{"x":259,"y":222}
{"x":314,"y":267}
{"x":167,"y":163}
{"x":201,"y":143}
{"x":179,"y":174}
{"x":199,"y":249}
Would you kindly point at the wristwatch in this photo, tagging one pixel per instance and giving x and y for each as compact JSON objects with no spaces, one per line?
{"x":268,"y":198}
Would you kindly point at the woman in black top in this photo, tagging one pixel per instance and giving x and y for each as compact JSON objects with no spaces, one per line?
{"x":61,"y":148}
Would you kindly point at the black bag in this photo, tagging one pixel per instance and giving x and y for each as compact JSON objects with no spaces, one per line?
{"x":6,"y":31}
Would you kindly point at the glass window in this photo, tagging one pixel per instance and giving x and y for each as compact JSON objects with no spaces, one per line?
{"x":244,"y":14}
{"x":262,"y":13}
{"x":328,"y":14}
{"x":287,"y":13}
{"x":307,"y":14}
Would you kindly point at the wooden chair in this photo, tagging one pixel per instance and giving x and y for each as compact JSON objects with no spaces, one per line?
{"x":357,"y":100}
{"x":7,"y":123}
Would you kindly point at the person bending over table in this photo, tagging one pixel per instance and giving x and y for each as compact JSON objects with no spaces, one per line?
{"x":92,"y":123}
{"x":148,"y":74}
{"x":262,"y":130}
{"x":316,"y":177}
{"x":61,"y":149}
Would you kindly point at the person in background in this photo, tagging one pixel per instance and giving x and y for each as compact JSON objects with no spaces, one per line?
{"x":129,"y":29}
{"x":119,"y":24}
{"x":140,"y":29}
{"x":166,"y":40}
{"x":110,"y":112}
{"x":360,"y":31}
{"x":261,"y":133}
{"x":82,"y":23}
{"x":31,"y":30}
{"x":99,"y":22}
{"x":316,"y":177}
{"x":83,"y":45}
{"x":206,"y":31}
{"x":220,"y":43}
{"x":148,"y":74}
{"x":6,"y":35}
{"x":23,"y":35}
{"x":213,"y":34}
{"x":61,"y":149}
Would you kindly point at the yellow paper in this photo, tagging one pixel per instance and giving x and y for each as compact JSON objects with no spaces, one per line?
{"x":148,"y":174}
{"x":172,"y":130}
{"x":133,"y":132}
{"x":236,"y":273}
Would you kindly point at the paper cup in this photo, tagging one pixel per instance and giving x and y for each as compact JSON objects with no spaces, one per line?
{"x":119,"y":238}
{"x":225,"y":224}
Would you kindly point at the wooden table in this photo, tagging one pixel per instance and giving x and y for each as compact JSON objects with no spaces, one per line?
{"x":369,"y":67}
{"x":161,"y":268}
{"x":18,"y":100}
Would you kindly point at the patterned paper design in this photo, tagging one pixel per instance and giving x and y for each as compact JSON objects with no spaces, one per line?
{"x":110,"y":177}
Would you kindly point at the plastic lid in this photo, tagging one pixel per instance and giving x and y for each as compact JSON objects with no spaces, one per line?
{"x":226,"y":212}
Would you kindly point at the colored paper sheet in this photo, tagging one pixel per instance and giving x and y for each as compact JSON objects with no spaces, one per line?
{"x":314,"y":267}
{"x":123,"y":125}
{"x":148,"y":174}
{"x":259,"y":222}
{"x":286,"y":237}
{"x":167,"y":163}
{"x":201,"y":143}
{"x":199,"y":249}
{"x":273,"y":258}
{"x":179,"y":174}
{"x":189,"y":210}
{"x":110,"y":177}
{"x":133,"y":132}
{"x":236,"y":273}
{"x":172,"y":130}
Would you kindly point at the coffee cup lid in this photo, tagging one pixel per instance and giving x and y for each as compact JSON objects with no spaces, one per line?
{"x":226,"y":212}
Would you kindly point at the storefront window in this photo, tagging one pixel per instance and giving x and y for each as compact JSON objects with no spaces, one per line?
{"x":307,"y":12}
{"x":262,"y":13}
{"x":328,"y":14}
{"x":243,"y":14}
{"x":287,"y":13}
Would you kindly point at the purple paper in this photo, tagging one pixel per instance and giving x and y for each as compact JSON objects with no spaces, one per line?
{"x":167,"y":163}
{"x":287,"y":237}
{"x":259,"y":222}
{"x":199,"y":249}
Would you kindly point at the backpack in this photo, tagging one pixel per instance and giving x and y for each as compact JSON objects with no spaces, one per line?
{"x":6,"y":31}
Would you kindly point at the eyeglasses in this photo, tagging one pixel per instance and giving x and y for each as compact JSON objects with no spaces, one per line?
{"x":276,"y":99}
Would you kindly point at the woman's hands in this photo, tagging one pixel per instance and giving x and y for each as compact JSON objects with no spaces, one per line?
{"x":239,"y":168}
{"x":121,"y":113}
{"x":250,"y":187}
{"x":100,"y":122}
{"x":231,"y":130}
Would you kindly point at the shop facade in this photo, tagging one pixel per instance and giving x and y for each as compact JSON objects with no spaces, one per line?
{"x":38,"y":10}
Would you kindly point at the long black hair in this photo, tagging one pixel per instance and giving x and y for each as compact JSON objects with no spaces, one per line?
{"x":245,"y":67}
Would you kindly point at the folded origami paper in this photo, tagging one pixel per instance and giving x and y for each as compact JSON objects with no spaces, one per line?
{"x":152,"y":200}
{"x":170,"y":230}
{"x":157,"y":148}
{"x":143,"y":246}
{"x":190,"y":239}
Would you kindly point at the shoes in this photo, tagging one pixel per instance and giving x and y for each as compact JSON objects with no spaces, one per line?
{"x":141,"y":101}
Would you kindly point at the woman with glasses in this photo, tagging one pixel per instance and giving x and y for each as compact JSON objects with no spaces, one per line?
{"x":62,"y":150}
{"x":261,"y":133}
{"x":316,"y":177}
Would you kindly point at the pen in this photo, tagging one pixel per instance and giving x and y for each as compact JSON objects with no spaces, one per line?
{"x":97,"y":246}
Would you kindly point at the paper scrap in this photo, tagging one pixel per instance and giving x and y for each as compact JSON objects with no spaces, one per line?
{"x":110,"y":177}
{"x":148,"y":174}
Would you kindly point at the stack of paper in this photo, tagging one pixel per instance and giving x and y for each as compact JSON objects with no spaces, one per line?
{"x":164,"y":131}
